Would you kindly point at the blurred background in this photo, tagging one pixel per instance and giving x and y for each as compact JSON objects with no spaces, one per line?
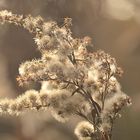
{"x":114,"y":26}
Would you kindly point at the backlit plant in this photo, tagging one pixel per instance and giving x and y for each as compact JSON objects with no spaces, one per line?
{"x":75,"y":79}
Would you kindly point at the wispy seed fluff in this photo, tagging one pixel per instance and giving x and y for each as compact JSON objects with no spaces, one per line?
{"x":84,"y":130}
{"x":75,"y":79}
{"x":31,"y":100}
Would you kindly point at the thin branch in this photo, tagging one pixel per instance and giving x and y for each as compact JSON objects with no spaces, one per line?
{"x":83,"y":116}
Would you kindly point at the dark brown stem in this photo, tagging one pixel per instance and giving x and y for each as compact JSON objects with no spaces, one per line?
{"x":83,"y":116}
{"x":104,"y":93}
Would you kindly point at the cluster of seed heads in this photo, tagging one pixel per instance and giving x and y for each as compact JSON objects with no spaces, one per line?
{"x":75,"y":79}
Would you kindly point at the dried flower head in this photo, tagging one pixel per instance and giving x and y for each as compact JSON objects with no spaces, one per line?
{"x":84,"y":130}
{"x":75,"y":79}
